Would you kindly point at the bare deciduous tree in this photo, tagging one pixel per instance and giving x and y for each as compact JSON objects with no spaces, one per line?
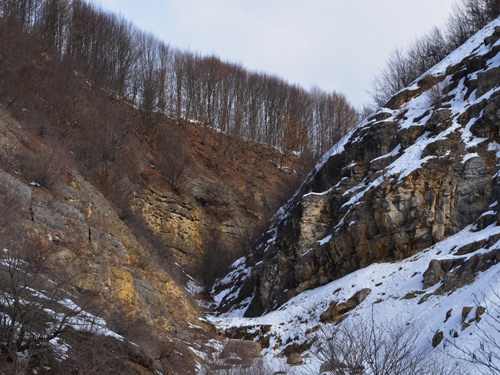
{"x":173,"y":159}
{"x":109,"y":53}
{"x":35,"y":310}
{"x":46,"y":164}
{"x":358,"y":347}
{"x":405,"y":65}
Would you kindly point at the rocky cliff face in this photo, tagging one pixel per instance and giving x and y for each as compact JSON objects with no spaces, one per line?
{"x":129,"y":249}
{"x":88,"y":245}
{"x":415,"y":172}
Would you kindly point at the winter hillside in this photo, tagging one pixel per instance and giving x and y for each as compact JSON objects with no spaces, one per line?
{"x":397,"y":228}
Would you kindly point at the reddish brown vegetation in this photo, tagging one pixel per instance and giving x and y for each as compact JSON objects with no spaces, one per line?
{"x":93,"y":96}
{"x":111,"y":54}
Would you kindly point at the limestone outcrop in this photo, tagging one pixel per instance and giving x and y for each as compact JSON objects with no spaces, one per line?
{"x":131,"y":246}
{"x":409,"y":176}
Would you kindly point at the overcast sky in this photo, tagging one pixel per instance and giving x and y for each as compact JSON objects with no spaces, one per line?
{"x":333,"y":44}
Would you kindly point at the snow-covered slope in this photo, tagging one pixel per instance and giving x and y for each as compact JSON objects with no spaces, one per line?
{"x":404,"y":210}
{"x":397,"y":298}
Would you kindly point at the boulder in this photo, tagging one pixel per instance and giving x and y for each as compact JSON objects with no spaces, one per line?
{"x":295,"y":359}
{"x":487,"y":80}
{"x":437,"y":338}
{"x":437,"y":269}
{"x":465,"y":312}
{"x":336,"y":311}
{"x":243,"y":349}
{"x":401,"y":98}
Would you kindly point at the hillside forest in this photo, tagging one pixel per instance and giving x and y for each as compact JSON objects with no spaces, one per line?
{"x":113,"y":55}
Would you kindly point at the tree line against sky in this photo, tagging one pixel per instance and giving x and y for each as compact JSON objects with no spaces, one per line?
{"x":407,"y":64}
{"x":114,"y":55}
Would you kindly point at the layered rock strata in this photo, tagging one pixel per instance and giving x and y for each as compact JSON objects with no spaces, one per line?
{"x":412,"y":174}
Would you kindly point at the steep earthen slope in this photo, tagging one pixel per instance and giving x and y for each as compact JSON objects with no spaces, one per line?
{"x":100,"y":258}
{"x":229,"y":187}
{"x":127,"y":239}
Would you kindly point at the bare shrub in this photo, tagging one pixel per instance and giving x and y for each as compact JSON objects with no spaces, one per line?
{"x":46,"y":164}
{"x":41,"y":324}
{"x":35,"y":310}
{"x":12,"y":206}
{"x":90,"y":353}
{"x":436,"y":94}
{"x":151,"y":349}
{"x":359,"y":348}
{"x":173,"y":159}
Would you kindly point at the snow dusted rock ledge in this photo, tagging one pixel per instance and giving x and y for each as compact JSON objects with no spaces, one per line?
{"x":407,"y":177}
{"x":405,"y":205}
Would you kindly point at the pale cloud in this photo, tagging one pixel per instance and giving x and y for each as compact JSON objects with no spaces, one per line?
{"x":334,"y":44}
